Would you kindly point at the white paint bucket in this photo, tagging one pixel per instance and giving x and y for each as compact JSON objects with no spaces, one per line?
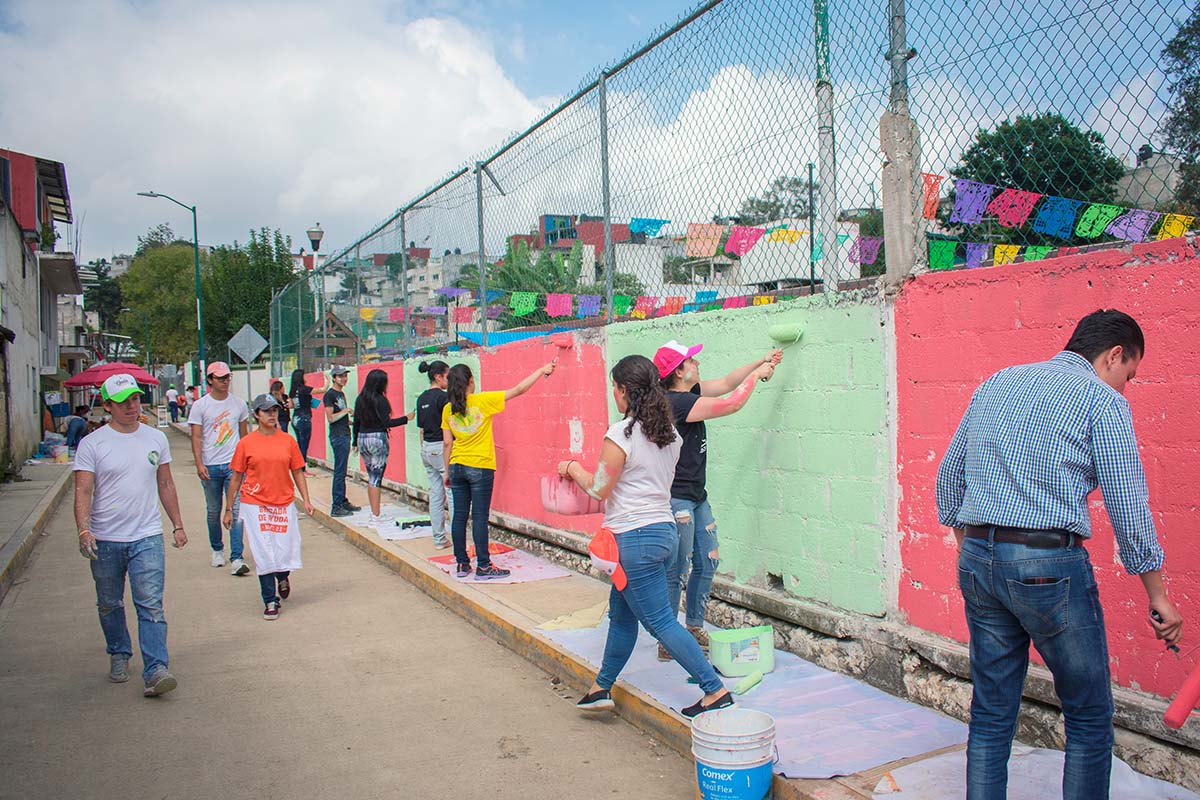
{"x":735,"y":753}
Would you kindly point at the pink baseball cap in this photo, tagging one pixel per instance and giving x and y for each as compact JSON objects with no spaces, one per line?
{"x":218,"y":369}
{"x":672,"y":354}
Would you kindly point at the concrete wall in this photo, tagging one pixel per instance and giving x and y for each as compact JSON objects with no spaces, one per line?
{"x":19,"y":312}
{"x":955,"y":329}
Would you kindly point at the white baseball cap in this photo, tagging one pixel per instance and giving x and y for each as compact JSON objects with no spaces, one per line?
{"x":119,"y":387}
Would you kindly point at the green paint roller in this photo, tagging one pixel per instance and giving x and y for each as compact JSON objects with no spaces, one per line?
{"x":786,"y":333}
{"x":747,"y":683}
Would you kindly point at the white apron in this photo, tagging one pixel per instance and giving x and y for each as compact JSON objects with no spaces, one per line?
{"x":274,"y":536}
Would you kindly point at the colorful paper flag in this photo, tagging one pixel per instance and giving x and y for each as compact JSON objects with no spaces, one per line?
{"x":367,"y":314}
{"x":493,"y":294}
{"x":646,"y":304}
{"x":818,"y":247}
{"x":1174,"y":225}
{"x":437,"y":311}
{"x":494,"y":312}
{"x":705,"y":297}
{"x":452,"y":291}
{"x":1056,"y":217}
{"x":464,"y":315}
{"x":558,"y":305}
{"x":865,"y":249}
{"x":1095,"y":218}
{"x":742,"y":238}
{"x":671,"y":305}
{"x":784,"y":235}
{"x":1006,"y":254}
{"x":970,"y":201}
{"x":1133,"y":225}
{"x":702,"y":240}
{"x":589,"y":305}
{"x":842,"y":238}
{"x":933,"y":188}
{"x":523,"y":303}
{"x":1012,"y":207}
{"x":1037,"y":252}
{"x":650,"y":227}
{"x":976,"y":253}
{"x":425,"y":326}
{"x":395,"y":315}
{"x":941,"y":253}
{"x":735,"y":302}
{"x":621,"y":303}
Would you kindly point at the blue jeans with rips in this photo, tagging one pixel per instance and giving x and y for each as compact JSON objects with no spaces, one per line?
{"x":644,"y":553}
{"x":214,"y":497}
{"x":341,"y":460}
{"x":144,"y":562}
{"x":472,"y":488}
{"x":1016,"y":594}
{"x":694,"y":552}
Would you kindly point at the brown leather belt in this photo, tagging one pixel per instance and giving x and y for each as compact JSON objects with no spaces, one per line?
{"x":1030,"y":538}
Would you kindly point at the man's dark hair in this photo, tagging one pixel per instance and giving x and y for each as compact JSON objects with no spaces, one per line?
{"x":1103,"y":330}
{"x":81,"y":411}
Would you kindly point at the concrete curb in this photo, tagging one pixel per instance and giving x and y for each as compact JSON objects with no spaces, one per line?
{"x":503,"y":625}
{"x":16,"y":552}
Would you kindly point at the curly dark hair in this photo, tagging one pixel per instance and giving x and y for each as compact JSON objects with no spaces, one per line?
{"x":648,"y":404}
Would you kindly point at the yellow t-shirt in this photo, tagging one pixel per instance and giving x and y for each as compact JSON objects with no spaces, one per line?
{"x":473,"y":443}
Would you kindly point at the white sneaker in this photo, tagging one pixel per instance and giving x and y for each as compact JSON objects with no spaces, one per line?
{"x":218,"y":558}
{"x":238,"y":567}
{"x":375,"y":521}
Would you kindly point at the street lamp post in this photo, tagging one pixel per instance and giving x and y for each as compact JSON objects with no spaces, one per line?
{"x":196,"y":254}
{"x":315,"y":235}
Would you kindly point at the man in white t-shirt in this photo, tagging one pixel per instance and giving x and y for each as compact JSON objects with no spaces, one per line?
{"x":173,"y":403}
{"x":218,"y":420}
{"x":122,"y":472}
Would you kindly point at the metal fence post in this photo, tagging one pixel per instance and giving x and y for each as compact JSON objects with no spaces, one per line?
{"x":358,"y":301}
{"x":899,"y":139}
{"x":609,"y":265}
{"x":827,"y":207}
{"x":404,"y":284}
{"x":322,"y":322}
{"x":482,"y":269}
{"x":300,"y":321}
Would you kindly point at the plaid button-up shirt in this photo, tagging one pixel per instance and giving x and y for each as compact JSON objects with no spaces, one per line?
{"x":1034,"y":442}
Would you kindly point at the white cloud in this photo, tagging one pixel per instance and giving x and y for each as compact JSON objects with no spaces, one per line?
{"x":278,"y":114}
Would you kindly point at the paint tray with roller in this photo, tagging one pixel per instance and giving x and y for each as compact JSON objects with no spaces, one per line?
{"x":742,"y":651}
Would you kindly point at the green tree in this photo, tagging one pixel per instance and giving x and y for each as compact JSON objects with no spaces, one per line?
{"x":1041,"y":153}
{"x":1181,"y":129}
{"x":160,"y":283}
{"x":160,"y":235}
{"x":105,"y":297}
{"x":785,"y":198}
{"x":239,"y":283}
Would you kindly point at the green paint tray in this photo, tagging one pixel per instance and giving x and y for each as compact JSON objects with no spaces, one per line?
{"x":741,"y":651}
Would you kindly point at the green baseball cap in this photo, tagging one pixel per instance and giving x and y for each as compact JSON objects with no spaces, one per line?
{"x":119,"y":388}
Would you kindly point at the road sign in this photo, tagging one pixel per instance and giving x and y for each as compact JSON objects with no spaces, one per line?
{"x":248,"y":343}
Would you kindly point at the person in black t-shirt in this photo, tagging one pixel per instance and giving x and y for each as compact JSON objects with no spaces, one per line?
{"x":337,"y":414}
{"x":302,"y":402}
{"x":429,"y":418}
{"x":693,"y":401}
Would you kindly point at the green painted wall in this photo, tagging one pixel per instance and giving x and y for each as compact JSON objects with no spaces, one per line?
{"x":414,"y":384}
{"x":797,"y":478}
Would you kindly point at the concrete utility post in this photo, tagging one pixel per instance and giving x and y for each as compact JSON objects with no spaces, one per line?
{"x":900,"y":141}
{"x":315,"y":234}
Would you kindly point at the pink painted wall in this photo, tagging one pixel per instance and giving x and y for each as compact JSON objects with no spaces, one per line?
{"x":533,"y":433}
{"x":955,"y":329}
{"x":316,"y":447}
{"x":395,"y":394}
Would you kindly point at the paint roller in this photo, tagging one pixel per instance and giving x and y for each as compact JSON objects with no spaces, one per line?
{"x":1184,"y":702}
{"x":563,"y":341}
{"x":785,"y":334}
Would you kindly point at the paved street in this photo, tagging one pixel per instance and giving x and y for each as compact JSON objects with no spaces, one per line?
{"x":364,"y":688}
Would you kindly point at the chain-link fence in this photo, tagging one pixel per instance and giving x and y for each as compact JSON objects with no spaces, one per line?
{"x":752,"y":152}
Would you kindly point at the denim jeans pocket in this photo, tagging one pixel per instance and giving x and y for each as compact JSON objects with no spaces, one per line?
{"x":1042,"y":608}
{"x":966,"y":584}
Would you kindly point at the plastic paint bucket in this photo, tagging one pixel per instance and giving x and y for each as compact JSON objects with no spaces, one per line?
{"x":740,"y":651}
{"x":735,"y":754}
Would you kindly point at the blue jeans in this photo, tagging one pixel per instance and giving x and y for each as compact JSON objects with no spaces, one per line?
{"x":269,"y":583}
{"x":214,"y":496}
{"x":697,"y":544}
{"x":143,"y":561}
{"x":440,"y":506}
{"x":472,"y":488}
{"x":1015,"y":594}
{"x":174,"y":408}
{"x":341,"y":459}
{"x":644,"y":556}
{"x":302,"y":425}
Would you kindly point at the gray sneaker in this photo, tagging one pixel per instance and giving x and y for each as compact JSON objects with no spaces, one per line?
{"x":118,"y":668}
{"x":160,"y":682}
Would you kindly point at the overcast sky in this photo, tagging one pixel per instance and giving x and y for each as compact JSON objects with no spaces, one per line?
{"x":283,"y":113}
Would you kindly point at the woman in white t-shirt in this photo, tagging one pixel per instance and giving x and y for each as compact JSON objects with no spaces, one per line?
{"x":637,"y":466}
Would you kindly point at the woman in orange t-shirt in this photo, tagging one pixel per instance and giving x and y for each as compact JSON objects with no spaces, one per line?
{"x":260,"y":470}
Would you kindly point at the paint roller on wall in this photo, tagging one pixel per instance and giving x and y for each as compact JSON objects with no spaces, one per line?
{"x":785,"y":334}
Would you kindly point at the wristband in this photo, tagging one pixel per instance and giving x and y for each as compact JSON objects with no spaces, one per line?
{"x":177,"y":528}
{"x":85,"y":530}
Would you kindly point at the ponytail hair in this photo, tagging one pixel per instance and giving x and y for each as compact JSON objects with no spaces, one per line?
{"x":648,"y":404}
{"x":457,"y":380}
{"x":433,"y":368}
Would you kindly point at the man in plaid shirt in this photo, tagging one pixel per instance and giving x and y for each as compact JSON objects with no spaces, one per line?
{"x":1035,"y":440}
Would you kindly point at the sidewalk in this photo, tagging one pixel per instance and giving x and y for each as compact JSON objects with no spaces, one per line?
{"x":26,"y":505}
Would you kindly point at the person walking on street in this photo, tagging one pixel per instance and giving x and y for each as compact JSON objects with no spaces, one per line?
{"x":470,"y":458}
{"x":122,"y":473}
{"x":637,"y":466}
{"x":284,"y":405}
{"x":265,"y":466}
{"x":302,"y":402}
{"x":337,"y":416}
{"x":182,"y":401}
{"x":218,"y":421}
{"x":373,"y":422}
{"x":173,"y":403}
{"x":1034,"y":441}
{"x":693,"y":401}
{"x":429,"y":418}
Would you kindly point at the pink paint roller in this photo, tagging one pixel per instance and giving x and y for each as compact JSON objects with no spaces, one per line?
{"x":1184,"y":702}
